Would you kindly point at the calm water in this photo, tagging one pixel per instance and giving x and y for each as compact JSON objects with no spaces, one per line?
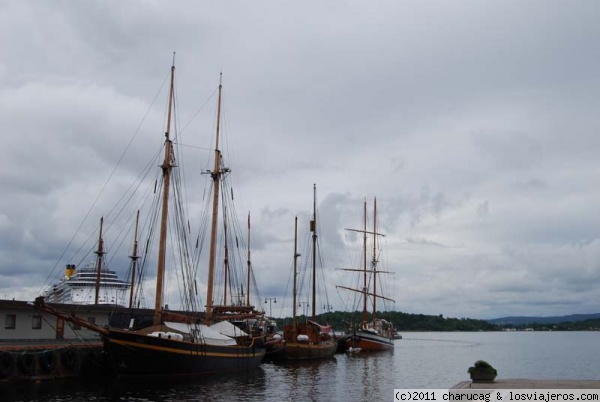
{"x":420,"y":360}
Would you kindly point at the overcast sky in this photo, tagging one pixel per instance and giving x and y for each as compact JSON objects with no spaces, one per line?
{"x":474,"y":123}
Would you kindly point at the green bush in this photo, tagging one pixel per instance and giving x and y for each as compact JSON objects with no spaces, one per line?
{"x":482,"y":366}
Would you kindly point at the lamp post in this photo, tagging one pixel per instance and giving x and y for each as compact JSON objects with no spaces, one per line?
{"x":269,"y":300}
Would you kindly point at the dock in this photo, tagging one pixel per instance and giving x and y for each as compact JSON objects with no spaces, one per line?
{"x":48,"y":360}
{"x":530,"y":384}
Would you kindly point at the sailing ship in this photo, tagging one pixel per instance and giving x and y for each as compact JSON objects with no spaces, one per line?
{"x":237,"y":309}
{"x":179,"y":344}
{"x":378,"y":333}
{"x":307,"y":340}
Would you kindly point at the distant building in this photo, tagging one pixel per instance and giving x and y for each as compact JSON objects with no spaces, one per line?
{"x":20,"y":321}
{"x":79,"y":287}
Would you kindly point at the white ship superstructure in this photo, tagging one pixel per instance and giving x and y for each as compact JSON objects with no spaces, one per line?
{"x":79,"y":287}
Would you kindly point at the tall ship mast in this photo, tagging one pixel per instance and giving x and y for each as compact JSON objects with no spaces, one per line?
{"x":93,"y":283}
{"x":377,"y":334}
{"x":308,"y":340}
{"x":178,"y":344}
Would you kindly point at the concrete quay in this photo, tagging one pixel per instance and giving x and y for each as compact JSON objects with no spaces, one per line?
{"x":48,"y":360}
{"x":530,"y":384}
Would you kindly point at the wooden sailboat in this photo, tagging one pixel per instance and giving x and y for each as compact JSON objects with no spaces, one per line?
{"x":378,"y":333}
{"x":307,"y":340}
{"x":177,"y":344}
{"x":237,"y":309}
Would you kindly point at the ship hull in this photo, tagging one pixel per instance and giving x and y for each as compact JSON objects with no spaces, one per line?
{"x":369,"y":342}
{"x":306,"y":351}
{"x":133,"y":354}
{"x":306,"y":341}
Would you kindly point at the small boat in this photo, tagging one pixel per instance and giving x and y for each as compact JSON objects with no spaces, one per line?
{"x":275,"y":348}
{"x":307,"y":340}
{"x":274,"y":343}
{"x":181,"y":344}
{"x":377,"y":334}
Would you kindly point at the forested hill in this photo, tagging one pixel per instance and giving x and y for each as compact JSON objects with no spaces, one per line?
{"x":544,"y":320}
{"x":341,"y":320}
{"x":402,"y":321}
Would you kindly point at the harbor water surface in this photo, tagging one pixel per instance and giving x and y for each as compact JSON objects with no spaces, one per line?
{"x":420,"y":360}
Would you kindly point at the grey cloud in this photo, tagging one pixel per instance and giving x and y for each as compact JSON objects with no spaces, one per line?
{"x":473,"y":124}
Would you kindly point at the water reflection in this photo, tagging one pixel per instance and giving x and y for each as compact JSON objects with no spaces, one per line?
{"x":362,"y":376}
{"x":420,"y":360}
{"x":223,"y":387}
{"x":311,"y":380}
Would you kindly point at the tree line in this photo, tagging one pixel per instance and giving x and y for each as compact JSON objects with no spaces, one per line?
{"x":342,"y":320}
{"x":586,"y":325}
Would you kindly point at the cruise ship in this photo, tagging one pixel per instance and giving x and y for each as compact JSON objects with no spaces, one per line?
{"x":79,"y":287}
